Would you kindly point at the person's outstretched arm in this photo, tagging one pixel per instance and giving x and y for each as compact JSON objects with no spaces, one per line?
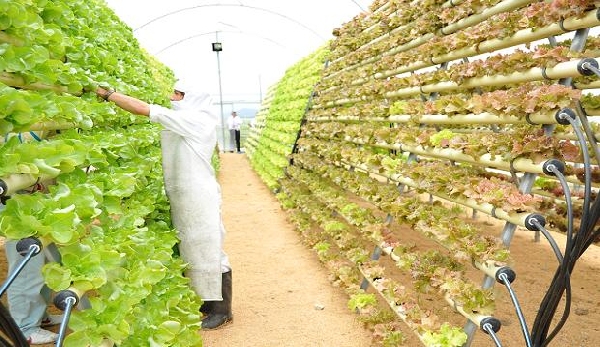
{"x":125,"y":102}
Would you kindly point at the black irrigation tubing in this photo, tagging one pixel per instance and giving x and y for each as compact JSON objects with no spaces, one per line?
{"x":590,"y":223}
{"x":575,"y":245}
{"x":582,"y":115}
{"x":506,"y":276}
{"x":562,"y":283}
{"x":587,"y":224}
{"x":550,"y":239}
{"x":14,"y":336}
{"x":587,"y":173}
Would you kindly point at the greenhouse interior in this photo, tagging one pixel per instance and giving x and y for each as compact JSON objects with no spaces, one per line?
{"x":345,"y":173}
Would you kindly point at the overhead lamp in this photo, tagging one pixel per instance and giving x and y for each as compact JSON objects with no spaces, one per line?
{"x":217,"y":46}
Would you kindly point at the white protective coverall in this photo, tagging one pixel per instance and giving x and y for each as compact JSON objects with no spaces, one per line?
{"x":188,"y":142}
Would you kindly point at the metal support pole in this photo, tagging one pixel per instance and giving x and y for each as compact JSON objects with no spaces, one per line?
{"x":374,"y":256}
{"x":220,"y":91}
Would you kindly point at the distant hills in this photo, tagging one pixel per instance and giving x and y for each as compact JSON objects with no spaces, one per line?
{"x":247,"y":112}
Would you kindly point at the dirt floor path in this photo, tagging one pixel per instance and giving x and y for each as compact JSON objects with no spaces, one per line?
{"x":277,"y":281}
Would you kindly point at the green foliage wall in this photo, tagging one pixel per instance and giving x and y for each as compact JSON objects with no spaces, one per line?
{"x":103,"y":203}
{"x":272,"y":139}
{"x":427,"y":112}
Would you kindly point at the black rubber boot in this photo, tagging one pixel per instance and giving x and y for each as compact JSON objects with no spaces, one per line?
{"x":207,"y":307}
{"x":220,"y":311}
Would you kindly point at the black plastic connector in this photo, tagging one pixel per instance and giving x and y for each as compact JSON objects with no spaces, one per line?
{"x":529,"y":221}
{"x":587,"y":66}
{"x":61,"y":299}
{"x":563,"y":116}
{"x":508,"y":272}
{"x":492,"y":322}
{"x":24,"y":246}
{"x":551,"y":165}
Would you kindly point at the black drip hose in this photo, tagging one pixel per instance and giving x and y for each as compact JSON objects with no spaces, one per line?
{"x":14,"y":336}
{"x":582,"y":115}
{"x":575,"y":246}
{"x":560,"y":284}
{"x":506,"y":276}
{"x":587,"y":224}
{"x":550,"y":239}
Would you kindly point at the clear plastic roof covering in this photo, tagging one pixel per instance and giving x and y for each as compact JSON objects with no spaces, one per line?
{"x":260,"y":38}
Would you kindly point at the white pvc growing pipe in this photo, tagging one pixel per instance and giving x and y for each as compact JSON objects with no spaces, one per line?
{"x":519,"y":164}
{"x":463,"y":23}
{"x":481,"y":118}
{"x":13,"y":80}
{"x":16,"y":182}
{"x":520,"y":37}
{"x":473,"y":317}
{"x":512,"y":217}
{"x":561,"y":70}
{"x":414,"y":327}
{"x":52,"y":125}
{"x":489,"y":267}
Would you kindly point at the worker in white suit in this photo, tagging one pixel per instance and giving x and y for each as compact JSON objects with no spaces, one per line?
{"x":188,"y":142}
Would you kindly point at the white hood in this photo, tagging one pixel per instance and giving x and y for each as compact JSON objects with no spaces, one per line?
{"x":196,"y":101}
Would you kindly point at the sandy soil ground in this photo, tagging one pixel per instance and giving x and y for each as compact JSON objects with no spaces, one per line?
{"x":277,"y":281}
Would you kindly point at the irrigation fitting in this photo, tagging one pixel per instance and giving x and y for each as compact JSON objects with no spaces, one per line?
{"x":565,"y":116}
{"x":505,"y":274}
{"x":588,"y":67}
{"x":490,"y":325}
{"x":552,"y":166}
{"x":29,"y":246}
{"x":534,"y":222}
{"x":65,"y":299}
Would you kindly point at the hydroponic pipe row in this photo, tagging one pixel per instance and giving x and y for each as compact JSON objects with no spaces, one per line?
{"x":461,"y":24}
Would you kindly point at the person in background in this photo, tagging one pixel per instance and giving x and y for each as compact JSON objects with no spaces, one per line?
{"x":235,"y":122}
{"x":27,"y":295}
{"x":188,"y":142}
{"x":232,"y":145}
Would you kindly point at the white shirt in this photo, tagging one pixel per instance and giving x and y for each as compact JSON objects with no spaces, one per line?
{"x":234,"y":123}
